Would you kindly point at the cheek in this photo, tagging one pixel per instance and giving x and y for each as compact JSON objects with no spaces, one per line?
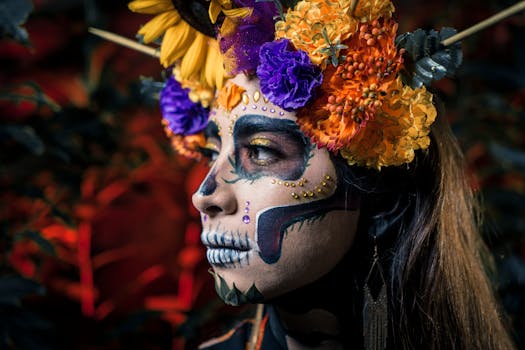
{"x":310,"y":252}
{"x":273,"y":223}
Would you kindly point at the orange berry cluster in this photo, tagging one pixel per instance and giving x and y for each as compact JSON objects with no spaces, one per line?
{"x":371,"y":60}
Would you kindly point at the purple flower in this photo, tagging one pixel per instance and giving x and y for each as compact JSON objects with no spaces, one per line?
{"x":183,"y":116}
{"x":288,"y":78}
{"x":241,"y":46}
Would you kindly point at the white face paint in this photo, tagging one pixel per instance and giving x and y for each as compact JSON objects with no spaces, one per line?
{"x":271,"y":214}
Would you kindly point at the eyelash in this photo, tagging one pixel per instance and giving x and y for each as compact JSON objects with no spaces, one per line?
{"x":254,"y":152}
{"x":209,"y":153}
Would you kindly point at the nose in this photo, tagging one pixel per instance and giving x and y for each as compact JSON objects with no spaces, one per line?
{"x":214,"y":196}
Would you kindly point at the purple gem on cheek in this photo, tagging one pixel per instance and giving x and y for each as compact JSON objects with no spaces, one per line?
{"x":246,"y":219}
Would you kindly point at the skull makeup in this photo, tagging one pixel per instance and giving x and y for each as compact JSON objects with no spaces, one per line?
{"x":274,"y":218}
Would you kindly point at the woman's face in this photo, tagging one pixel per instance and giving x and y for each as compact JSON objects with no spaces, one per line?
{"x":273,"y":216}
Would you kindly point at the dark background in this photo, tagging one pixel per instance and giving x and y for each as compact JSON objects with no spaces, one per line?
{"x":99,"y":244}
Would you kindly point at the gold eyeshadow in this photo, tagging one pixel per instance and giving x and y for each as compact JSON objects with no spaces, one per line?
{"x":211,"y":146}
{"x":260,"y":141}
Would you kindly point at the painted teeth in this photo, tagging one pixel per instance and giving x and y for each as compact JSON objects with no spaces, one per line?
{"x":225,"y":257}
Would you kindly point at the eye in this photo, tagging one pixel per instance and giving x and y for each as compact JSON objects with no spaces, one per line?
{"x":262,"y":155}
{"x":210,"y":151}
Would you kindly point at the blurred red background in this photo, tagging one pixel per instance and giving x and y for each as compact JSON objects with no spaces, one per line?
{"x":99,"y":242}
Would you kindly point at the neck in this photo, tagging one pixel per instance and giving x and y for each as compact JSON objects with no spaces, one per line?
{"x":323,"y":312}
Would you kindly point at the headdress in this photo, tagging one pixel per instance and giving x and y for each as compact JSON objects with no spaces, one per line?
{"x":358,"y":88}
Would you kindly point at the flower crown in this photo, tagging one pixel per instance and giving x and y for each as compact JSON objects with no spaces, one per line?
{"x":357,"y":89}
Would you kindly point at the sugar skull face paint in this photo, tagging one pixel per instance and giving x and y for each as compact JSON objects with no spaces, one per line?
{"x":289,"y":241}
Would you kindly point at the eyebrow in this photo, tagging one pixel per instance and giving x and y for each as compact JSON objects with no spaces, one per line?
{"x":212,"y":130}
{"x":250,"y":124}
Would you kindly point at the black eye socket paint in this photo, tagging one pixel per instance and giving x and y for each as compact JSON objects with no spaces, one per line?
{"x":209,"y":185}
{"x":212,"y":130}
{"x":273,"y":223}
{"x":290,"y":151}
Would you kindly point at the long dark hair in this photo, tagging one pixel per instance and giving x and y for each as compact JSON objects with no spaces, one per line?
{"x":434,"y":259}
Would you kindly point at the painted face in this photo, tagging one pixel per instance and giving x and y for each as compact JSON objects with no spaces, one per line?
{"x":273,"y":216}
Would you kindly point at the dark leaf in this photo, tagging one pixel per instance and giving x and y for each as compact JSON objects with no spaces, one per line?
{"x":24,"y":329}
{"x":36,"y":96}
{"x":14,"y":13}
{"x":13,"y":288}
{"x":26,"y":136}
{"x":43,"y":243}
{"x":429,"y":59}
{"x":150,"y":87}
{"x":509,"y":156}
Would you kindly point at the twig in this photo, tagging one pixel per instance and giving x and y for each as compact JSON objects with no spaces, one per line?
{"x":520,"y":6}
{"x":125,"y":42}
{"x":254,"y":336}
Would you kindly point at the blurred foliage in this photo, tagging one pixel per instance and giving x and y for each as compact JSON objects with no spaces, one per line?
{"x":99,"y":245}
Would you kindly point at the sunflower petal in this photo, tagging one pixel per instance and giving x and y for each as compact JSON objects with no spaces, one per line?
{"x":176,"y":42}
{"x":150,"y":7}
{"x":213,"y":73}
{"x":194,"y":57}
{"x":158,"y":25}
{"x":214,"y":11}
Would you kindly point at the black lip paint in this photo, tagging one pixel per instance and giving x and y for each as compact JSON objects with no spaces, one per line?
{"x":272,"y":223}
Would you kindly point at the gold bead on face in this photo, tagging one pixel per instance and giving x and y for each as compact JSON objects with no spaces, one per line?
{"x":306,"y":193}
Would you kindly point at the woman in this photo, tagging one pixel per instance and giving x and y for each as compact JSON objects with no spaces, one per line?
{"x":336,"y":195}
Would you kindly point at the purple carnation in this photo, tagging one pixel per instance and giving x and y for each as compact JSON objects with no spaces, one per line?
{"x":183,"y":116}
{"x":288,"y":78}
{"x":242,"y":45}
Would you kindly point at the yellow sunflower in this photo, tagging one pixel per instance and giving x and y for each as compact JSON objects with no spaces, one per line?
{"x":197,"y":56}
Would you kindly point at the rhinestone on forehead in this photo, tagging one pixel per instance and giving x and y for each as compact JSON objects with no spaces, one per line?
{"x":258,"y":100}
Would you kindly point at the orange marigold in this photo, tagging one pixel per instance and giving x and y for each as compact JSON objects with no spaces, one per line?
{"x":399,"y":128}
{"x":367,"y":11}
{"x":354,"y":91}
{"x":187,"y":146}
{"x":305,"y":23}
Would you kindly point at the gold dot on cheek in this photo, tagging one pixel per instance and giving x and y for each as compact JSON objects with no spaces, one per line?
{"x":307,"y":193}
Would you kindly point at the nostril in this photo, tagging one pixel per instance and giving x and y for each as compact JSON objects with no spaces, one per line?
{"x":213,"y":210}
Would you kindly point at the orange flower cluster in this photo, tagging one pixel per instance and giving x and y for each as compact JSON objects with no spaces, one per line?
{"x":365,"y":112}
{"x":305,"y":24}
{"x":399,"y":127}
{"x":356,"y":88}
{"x":187,"y":146}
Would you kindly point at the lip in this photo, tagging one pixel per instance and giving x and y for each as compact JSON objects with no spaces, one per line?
{"x":229,"y":240}
{"x":230,"y":249}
